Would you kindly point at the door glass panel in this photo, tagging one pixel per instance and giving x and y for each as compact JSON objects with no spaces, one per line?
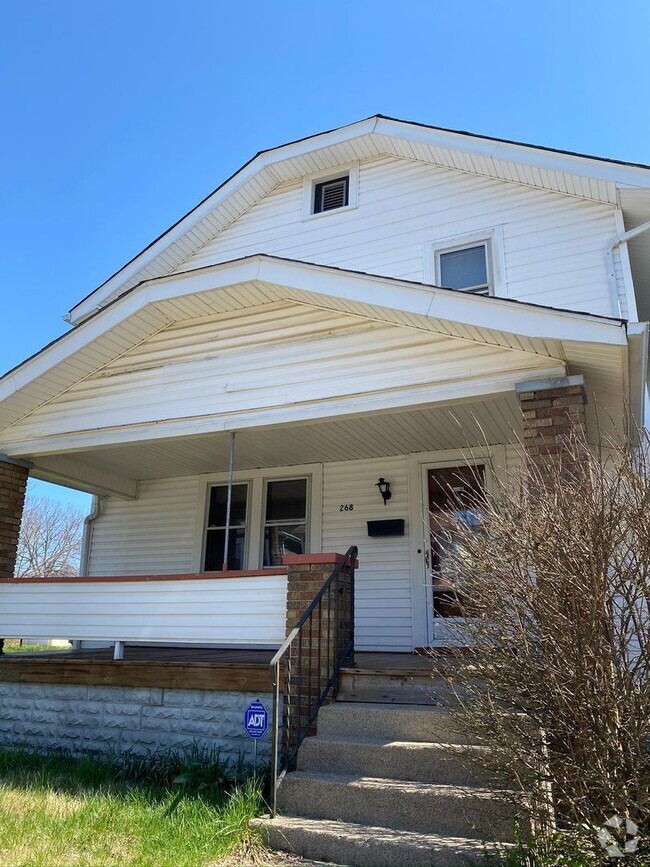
{"x":455,"y":493}
{"x":285,"y":530}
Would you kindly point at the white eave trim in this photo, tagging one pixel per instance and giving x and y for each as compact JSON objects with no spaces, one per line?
{"x":498,"y":314}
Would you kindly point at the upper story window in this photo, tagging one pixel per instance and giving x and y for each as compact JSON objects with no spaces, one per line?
{"x":330,"y":192}
{"x":329,"y":195}
{"x":466,"y":268}
{"x":472,"y":262}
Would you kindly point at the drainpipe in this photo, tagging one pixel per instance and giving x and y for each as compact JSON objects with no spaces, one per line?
{"x":86,"y":539}
{"x":609,"y":260}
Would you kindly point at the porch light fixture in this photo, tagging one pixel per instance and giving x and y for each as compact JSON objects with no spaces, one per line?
{"x":384,"y":489}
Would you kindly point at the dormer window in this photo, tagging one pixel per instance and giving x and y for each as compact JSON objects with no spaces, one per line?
{"x":329,"y":195}
{"x":331,"y":192}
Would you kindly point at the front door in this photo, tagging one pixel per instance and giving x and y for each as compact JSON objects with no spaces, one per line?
{"x":450,"y":493}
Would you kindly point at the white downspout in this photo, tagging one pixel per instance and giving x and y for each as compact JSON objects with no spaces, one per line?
{"x":86,"y":539}
{"x":609,"y":260}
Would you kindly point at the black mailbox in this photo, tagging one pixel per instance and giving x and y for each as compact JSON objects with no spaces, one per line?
{"x":388,"y":527}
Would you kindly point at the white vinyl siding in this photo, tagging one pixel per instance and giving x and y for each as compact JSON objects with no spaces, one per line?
{"x":157,"y":534}
{"x":553,"y":243}
{"x":244,"y":612}
{"x":153,"y":535}
{"x":383,"y":580}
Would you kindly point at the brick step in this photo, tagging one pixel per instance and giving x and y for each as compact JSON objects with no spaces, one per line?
{"x":359,"y":845}
{"x":459,"y":811}
{"x":398,"y":760}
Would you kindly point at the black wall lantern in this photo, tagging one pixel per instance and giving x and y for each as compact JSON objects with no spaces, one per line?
{"x":384,"y":489}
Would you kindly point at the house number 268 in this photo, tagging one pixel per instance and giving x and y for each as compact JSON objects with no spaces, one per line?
{"x":346,"y":507}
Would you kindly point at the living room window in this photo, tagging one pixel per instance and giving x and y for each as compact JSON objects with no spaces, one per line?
{"x":275,"y":511}
{"x":216,"y":529}
{"x":285,"y":524}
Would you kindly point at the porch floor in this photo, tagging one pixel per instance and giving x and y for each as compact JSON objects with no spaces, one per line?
{"x":175,"y":667}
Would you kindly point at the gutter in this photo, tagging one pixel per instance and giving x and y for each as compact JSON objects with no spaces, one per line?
{"x":609,"y":261}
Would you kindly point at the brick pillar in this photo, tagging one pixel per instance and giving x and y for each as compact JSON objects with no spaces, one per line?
{"x":553,"y":412}
{"x":13,"y":483}
{"x":311,"y":659}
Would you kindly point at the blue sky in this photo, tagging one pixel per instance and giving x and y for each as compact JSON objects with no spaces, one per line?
{"x":120,"y":116}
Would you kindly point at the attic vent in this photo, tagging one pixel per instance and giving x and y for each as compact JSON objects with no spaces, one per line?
{"x":330,"y":195}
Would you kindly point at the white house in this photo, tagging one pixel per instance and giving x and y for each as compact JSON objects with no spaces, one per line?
{"x":299,"y":306}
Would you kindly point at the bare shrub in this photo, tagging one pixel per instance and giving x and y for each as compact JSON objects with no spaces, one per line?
{"x":555,"y":586}
{"x":50,"y":539}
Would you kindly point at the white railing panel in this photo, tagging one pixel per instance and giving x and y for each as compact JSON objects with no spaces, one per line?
{"x":245,"y":611}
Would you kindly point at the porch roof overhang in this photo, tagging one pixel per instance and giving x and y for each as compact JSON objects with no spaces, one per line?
{"x":563,"y":342}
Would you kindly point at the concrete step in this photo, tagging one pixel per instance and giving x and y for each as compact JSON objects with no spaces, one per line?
{"x":367,"y":846}
{"x":391,"y":722}
{"x":398,"y":760}
{"x":399,"y":688}
{"x":460,"y":811}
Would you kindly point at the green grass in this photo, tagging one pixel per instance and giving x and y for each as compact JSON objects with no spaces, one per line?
{"x":30,"y":648}
{"x":59,"y":811}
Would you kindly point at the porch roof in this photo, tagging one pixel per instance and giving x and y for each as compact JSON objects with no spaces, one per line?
{"x":539,"y":340}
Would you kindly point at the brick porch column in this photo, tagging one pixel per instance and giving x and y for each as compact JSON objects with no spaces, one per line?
{"x":13,"y":484}
{"x":553,"y":410}
{"x":330,"y":631}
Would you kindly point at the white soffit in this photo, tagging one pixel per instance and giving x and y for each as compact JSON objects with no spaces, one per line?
{"x":571,"y":174}
{"x":261,"y":280}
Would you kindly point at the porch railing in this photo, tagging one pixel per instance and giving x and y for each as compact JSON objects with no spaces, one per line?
{"x":305,"y":669}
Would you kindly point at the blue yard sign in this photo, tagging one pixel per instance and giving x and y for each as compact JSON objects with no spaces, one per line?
{"x":256,"y":720}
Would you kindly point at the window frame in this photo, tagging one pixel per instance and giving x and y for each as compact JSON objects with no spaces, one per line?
{"x":491,"y":238}
{"x":309,"y":190}
{"x":256,"y":509}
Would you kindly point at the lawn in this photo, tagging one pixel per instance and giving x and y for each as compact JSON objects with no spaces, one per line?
{"x":32,"y":648}
{"x":60,"y":811}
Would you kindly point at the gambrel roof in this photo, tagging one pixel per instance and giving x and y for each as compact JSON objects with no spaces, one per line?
{"x":587,"y":177}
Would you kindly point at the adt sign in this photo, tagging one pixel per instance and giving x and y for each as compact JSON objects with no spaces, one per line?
{"x":256,"y":720}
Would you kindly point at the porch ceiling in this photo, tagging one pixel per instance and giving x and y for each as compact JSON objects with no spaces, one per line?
{"x":378,"y":434}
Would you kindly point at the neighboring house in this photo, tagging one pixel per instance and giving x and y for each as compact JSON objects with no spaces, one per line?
{"x":299,"y":306}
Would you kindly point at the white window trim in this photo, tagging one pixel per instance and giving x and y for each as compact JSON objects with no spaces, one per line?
{"x":256,"y":480}
{"x":309,"y":186}
{"x":491,"y":237}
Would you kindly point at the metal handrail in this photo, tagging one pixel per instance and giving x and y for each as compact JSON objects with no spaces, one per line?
{"x":302,"y":633}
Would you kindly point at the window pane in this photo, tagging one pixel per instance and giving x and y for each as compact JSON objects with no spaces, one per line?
{"x":285,"y":539}
{"x":218,"y":498}
{"x":462,"y":268}
{"x":286,"y":500}
{"x":214,"y":549}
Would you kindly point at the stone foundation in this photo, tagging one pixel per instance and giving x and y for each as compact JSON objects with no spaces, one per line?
{"x":136,"y":720}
